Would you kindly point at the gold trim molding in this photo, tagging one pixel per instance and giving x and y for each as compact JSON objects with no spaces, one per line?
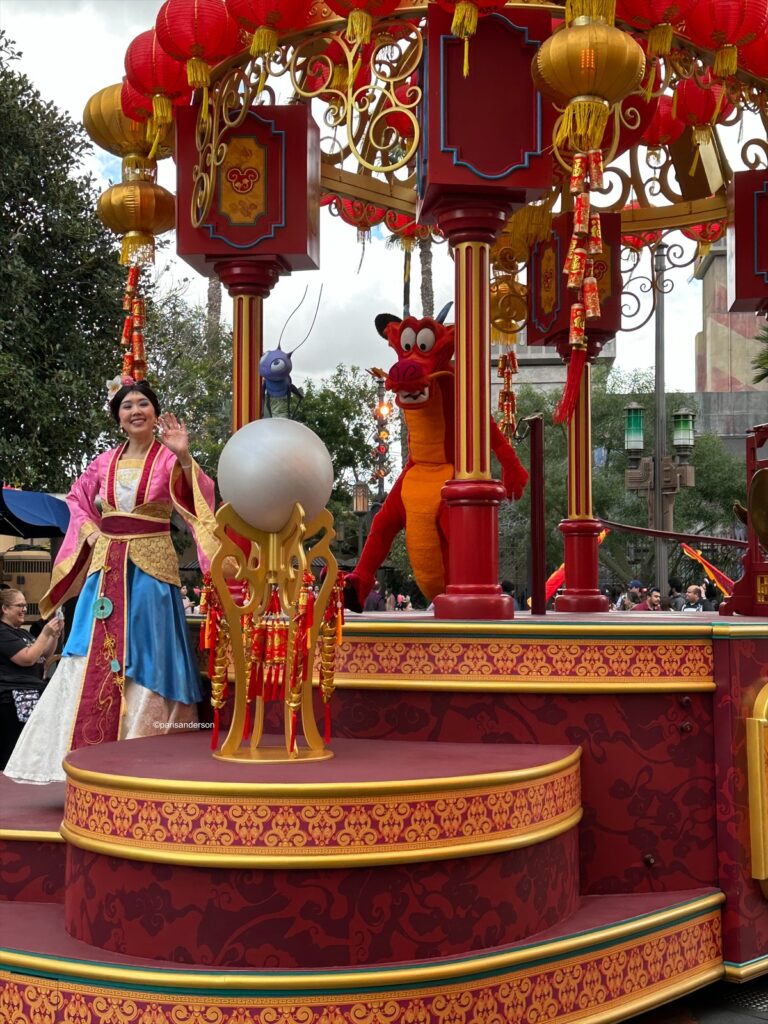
{"x":757,"y":781}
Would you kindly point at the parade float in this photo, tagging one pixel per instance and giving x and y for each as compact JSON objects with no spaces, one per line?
{"x":474,"y":817}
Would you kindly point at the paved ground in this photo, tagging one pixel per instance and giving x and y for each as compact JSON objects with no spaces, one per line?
{"x":717,"y":1004}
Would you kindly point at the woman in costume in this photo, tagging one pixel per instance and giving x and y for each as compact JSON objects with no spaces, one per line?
{"x":127,"y":669}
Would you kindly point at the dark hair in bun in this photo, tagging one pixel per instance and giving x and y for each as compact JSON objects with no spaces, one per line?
{"x":139,"y":386}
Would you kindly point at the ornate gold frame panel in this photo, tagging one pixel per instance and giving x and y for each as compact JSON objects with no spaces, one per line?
{"x":757,"y":775}
{"x":321,"y":825}
{"x":426,"y":655}
{"x":600,"y":975}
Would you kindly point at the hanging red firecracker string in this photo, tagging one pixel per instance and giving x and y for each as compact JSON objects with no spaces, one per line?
{"x":132,"y":336}
{"x":330,"y":639}
{"x":275,"y":626}
{"x":586,"y":173}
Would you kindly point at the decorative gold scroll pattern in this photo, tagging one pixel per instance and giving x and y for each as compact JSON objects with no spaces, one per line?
{"x":605,"y":662}
{"x":601,"y":985}
{"x":259,"y":826}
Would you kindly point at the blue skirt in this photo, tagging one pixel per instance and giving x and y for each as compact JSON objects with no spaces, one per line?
{"x":159,"y":652}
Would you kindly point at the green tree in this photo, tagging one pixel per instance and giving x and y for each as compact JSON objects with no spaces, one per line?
{"x":760,"y":362}
{"x":705,"y":509}
{"x":60,"y":292}
{"x":190,"y":364}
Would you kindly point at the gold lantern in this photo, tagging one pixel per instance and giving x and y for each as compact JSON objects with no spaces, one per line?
{"x":587,"y":67}
{"x":138,"y":208}
{"x":509,"y":309}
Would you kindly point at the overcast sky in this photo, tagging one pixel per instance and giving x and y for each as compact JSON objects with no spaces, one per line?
{"x":73,"y":48}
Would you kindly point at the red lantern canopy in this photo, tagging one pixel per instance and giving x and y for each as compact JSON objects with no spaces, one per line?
{"x":659,"y":18}
{"x":199,"y":32}
{"x":360,"y":15}
{"x":637,"y":240}
{"x":465,"y":15}
{"x":267,"y":20}
{"x":153,"y":72}
{"x":723,"y":26}
{"x":664,"y":128}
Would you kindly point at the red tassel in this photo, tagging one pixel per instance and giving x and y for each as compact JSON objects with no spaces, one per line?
{"x":215,"y":731}
{"x":294,"y":717}
{"x":327,"y":736}
{"x":567,"y":403}
{"x":247,"y":726}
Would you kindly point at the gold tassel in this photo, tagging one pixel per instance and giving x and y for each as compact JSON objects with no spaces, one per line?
{"x":726,"y":61}
{"x":264,"y":41}
{"x":137,"y":248}
{"x":674,"y":104}
{"x":583,"y":124}
{"x":464,"y":22}
{"x":359,"y":25}
{"x":198,"y":73}
{"x":660,"y":40}
{"x":162,"y":111}
{"x":648,"y":91}
{"x":592,"y":9}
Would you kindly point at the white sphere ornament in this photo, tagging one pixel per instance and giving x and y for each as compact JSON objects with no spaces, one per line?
{"x":269,"y":465}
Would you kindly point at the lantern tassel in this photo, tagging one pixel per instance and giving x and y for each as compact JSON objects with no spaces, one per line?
{"x":137,"y":248}
{"x":660,"y":40}
{"x":464,"y":22}
{"x":162,"y":111}
{"x":583,"y":123}
{"x":566,"y":405}
{"x":198,"y":73}
{"x":592,"y":9}
{"x":726,"y":61}
{"x":359,"y":26}
{"x":264,"y":41}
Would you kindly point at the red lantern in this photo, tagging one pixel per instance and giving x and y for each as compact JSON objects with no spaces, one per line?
{"x":404,"y":227}
{"x":135,"y":104}
{"x":360,"y":15}
{"x":397,"y":119}
{"x":330,"y":70}
{"x":659,"y":18}
{"x":700,"y":105}
{"x":199,"y":32}
{"x":357,"y":214}
{"x":637,"y":240}
{"x":705,"y":234}
{"x":723,"y":26}
{"x":754,"y":57}
{"x":465,"y":15}
{"x":267,"y":20}
{"x":153,"y":72}
{"x":664,"y":128}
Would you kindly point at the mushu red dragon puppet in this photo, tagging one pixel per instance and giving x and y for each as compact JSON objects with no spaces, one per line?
{"x":423,"y":379}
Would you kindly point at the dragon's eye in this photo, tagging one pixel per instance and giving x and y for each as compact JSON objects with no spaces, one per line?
{"x":425,"y":339}
{"x":277,"y":365}
{"x":407,"y":339}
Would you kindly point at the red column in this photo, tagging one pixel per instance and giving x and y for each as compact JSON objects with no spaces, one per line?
{"x":472,"y":497}
{"x":249,"y":283}
{"x":580,"y":530}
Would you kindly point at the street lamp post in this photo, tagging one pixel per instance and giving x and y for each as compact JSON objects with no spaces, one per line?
{"x":659,"y":478}
{"x":381,"y":415}
{"x":660,"y":436}
{"x":361,"y":500}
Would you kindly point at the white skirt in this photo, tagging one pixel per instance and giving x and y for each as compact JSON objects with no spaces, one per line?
{"x":44,"y":741}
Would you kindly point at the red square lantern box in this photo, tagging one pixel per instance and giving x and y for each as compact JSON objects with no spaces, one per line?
{"x":549,"y":300}
{"x":491,"y":132}
{"x":748,"y":242}
{"x":266,"y":191}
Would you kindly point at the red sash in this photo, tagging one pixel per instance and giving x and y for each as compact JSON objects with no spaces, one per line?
{"x":101,"y":695}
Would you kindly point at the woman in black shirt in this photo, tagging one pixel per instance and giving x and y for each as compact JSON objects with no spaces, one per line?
{"x":21,"y":667}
